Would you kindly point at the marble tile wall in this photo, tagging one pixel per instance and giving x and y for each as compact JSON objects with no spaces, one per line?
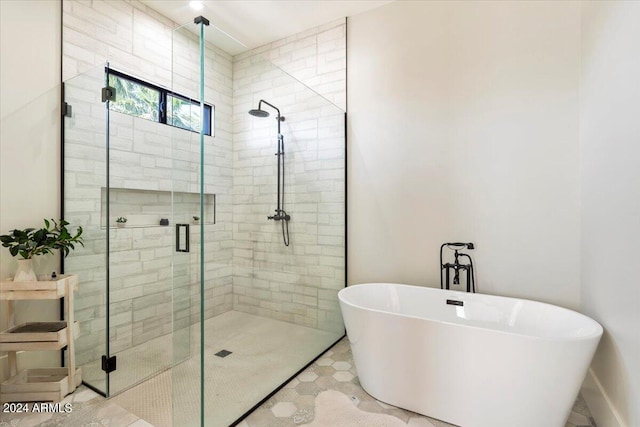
{"x":316,"y":57}
{"x":297,"y":283}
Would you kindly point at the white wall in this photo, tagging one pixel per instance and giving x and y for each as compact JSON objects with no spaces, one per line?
{"x":29,"y":142}
{"x":610,"y":149}
{"x":464,"y":126}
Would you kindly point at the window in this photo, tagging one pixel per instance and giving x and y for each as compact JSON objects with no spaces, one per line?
{"x":185,"y":113}
{"x":134,"y":98}
{"x":147,"y":101}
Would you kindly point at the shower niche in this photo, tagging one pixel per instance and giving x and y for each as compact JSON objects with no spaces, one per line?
{"x":146,"y":208}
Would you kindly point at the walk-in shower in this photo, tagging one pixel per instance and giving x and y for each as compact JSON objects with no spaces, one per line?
{"x":281,"y":214}
{"x":174,"y":151}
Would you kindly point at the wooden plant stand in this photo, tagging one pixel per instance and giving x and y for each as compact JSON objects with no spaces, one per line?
{"x":39,"y":384}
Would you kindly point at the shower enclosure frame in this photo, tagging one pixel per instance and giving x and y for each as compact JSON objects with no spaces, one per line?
{"x":66,"y":111}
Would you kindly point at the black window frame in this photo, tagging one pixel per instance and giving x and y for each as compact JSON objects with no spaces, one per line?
{"x":209,"y":110}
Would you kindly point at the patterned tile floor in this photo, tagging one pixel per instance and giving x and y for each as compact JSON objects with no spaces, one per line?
{"x":86,"y":409}
{"x":294,"y":404}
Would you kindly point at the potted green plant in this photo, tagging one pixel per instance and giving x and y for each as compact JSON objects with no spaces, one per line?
{"x":30,"y":242}
{"x":121,"y":221}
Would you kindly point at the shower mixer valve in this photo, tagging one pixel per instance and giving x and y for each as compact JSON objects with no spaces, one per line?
{"x":282,"y":215}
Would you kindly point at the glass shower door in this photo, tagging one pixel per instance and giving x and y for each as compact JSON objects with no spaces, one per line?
{"x":118,"y":187}
{"x":84,"y":183}
{"x":128,"y":182}
{"x":138,"y":215}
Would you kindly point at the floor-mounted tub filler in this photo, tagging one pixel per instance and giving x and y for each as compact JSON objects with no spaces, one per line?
{"x":469,"y":359}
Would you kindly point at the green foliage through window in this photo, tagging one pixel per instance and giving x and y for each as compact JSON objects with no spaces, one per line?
{"x":134,"y":99}
{"x":147,"y":101}
{"x":183,"y":113}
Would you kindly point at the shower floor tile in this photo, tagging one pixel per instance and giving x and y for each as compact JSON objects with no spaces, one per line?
{"x":264,"y":354}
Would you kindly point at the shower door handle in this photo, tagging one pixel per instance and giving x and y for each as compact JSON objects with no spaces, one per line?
{"x":182,"y":237}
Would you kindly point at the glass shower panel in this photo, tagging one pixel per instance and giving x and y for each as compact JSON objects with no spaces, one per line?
{"x":85,"y":181}
{"x":290,"y":291}
{"x":138,"y":215}
{"x":193,"y":212}
{"x":249,"y":311}
{"x":202,"y":166}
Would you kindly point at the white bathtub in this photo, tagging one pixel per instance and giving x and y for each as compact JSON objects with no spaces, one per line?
{"x":490,"y":362}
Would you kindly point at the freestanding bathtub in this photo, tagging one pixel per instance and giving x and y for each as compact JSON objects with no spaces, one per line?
{"x":469,"y":359}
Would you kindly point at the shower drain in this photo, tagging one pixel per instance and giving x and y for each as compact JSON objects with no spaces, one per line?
{"x":223,"y":353}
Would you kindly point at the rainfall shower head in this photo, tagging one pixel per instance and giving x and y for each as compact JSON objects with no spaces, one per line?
{"x":259,"y":113}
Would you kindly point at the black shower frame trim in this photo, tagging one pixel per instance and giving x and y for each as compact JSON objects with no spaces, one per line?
{"x":61,"y":182}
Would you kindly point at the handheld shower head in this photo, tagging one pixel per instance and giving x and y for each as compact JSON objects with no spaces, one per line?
{"x":456,"y":246}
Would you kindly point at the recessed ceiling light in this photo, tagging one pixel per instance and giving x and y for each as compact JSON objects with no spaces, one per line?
{"x":195,"y":5}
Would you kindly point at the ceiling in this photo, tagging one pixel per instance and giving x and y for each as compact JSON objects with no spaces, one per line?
{"x":257,"y":22}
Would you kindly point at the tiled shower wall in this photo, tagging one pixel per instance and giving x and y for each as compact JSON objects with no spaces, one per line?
{"x":298,"y":283}
{"x":147,"y":160}
{"x":316,"y":57}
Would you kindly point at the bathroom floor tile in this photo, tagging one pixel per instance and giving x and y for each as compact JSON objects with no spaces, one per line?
{"x":294,"y":405}
{"x":335,"y":370}
{"x":88,"y":409}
